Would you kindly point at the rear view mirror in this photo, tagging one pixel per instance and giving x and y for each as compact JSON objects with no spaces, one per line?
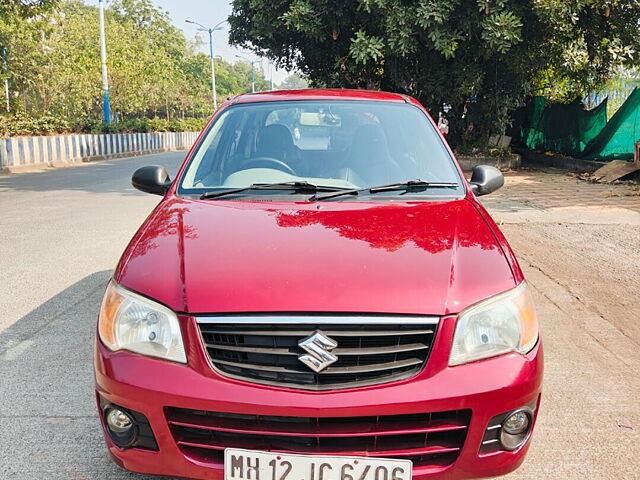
{"x":485,"y":180}
{"x":151,"y":179}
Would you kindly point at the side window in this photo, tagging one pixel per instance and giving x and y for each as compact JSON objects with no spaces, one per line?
{"x":222,"y":147}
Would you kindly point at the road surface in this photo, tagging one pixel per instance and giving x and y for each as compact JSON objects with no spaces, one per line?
{"x":62,"y":231}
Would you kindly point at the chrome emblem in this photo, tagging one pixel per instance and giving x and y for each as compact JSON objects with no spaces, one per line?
{"x":318,"y":347}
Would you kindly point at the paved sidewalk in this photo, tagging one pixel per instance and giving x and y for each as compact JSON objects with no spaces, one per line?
{"x":555,"y":196}
{"x":556,"y":190}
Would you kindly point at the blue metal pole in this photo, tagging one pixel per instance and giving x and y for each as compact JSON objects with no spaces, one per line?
{"x":253,"y":77}
{"x":106,"y":107}
{"x":103,"y":61}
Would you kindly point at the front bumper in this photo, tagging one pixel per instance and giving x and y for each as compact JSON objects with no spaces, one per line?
{"x":486,"y":388}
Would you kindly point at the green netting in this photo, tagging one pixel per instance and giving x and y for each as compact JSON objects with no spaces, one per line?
{"x":616,"y":140}
{"x":561,"y":128}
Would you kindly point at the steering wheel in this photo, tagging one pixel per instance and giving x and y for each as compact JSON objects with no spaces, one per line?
{"x":268,"y":162}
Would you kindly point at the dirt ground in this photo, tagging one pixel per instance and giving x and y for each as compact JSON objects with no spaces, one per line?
{"x":598,"y":265}
{"x":579,"y":246}
{"x":595,"y":256}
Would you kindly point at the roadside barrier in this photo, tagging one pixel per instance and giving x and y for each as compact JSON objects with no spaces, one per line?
{"x":17,"y":153}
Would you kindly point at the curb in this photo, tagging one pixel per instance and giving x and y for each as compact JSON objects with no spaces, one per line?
{"x":467,"y":162}
{"x":560,"y":161}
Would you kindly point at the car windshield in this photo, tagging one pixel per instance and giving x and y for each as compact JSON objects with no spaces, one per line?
{"x":327,"y":144}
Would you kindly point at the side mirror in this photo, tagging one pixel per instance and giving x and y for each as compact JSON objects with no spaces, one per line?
{"x":485,"y":180}
{"x":151,"y":179}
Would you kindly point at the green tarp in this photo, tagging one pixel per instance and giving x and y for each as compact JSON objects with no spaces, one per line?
{"x":561,"y":128}
{"x":616,"y":141}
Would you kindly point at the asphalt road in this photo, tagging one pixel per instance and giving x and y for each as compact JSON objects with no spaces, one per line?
{"x":62,"y":231}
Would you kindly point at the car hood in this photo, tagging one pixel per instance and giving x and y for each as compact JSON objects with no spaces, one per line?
{"x":214,"y":256}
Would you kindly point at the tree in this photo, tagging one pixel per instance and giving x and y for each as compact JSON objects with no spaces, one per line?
{"x":13,"y":13}
{"x":293,"y":82}
{"x":483,"y":57}
{"x":53,"y":63}
{"x":24,"y":8}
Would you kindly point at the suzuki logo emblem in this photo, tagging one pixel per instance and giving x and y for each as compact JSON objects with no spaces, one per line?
{"x":318,"y":347}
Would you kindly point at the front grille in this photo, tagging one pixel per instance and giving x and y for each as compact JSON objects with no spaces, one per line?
{"x":424,"y":438}
{"x":367,"y":354}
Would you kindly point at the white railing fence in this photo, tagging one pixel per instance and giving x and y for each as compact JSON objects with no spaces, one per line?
{"x":58,"y":150}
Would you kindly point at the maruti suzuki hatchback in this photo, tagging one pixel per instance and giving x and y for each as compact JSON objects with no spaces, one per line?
{"x":319,"y":295}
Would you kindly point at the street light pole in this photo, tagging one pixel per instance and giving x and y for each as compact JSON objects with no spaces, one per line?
{"x":253,"y":71}
{"x":213,"y":65}
{"x":103,"y":60}
{"x":270,"y":75}
{"x":253,"y":77}
{"x":6,"y":80}
{"x":6,"y":94}
{"x":213,"y":71}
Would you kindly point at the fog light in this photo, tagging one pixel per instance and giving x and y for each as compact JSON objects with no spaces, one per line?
{"x":118,"y":421}
{"x":516,"y":423}
{"x":121,"y":426}
{"x":516,"y":428}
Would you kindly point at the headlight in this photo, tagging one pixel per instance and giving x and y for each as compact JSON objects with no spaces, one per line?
{"x":501,"y":324}
{"x":132,"y":322}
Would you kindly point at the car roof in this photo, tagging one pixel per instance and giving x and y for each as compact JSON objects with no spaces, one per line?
{"x":321,"y":94}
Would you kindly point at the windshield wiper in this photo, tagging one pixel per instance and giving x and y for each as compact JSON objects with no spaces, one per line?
{"x":297,"y":186}
{"x":408,"y":186}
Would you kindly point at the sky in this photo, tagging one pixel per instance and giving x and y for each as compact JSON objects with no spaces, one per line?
{"x":209,"y":13}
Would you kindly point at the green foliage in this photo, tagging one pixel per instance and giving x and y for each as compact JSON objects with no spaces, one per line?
{"x":156,"y":125}
{"x":24,"y":8}
{"x":22,"y":125}
{"x":15,"y":125}
{"x":366,"y":48}
{"x":619,"y":88}
{"x":234,"y":78}
{"x":301,"y":17}
{"x":483,"y":57}
{"x":293,"y":82}
{"x":53,"y":66}
{"x":501,"y":31}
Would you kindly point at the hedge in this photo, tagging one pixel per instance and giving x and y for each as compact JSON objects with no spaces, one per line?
{"x":19,"y":125}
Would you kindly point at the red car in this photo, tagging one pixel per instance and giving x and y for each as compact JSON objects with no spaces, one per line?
{"x":319,"y":295}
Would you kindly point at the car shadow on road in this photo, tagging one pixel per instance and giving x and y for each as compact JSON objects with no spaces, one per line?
{"x":109,"y":176}
{"x":49,"y":426}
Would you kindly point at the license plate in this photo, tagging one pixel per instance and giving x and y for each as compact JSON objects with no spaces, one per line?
{"x":252,"y":465}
